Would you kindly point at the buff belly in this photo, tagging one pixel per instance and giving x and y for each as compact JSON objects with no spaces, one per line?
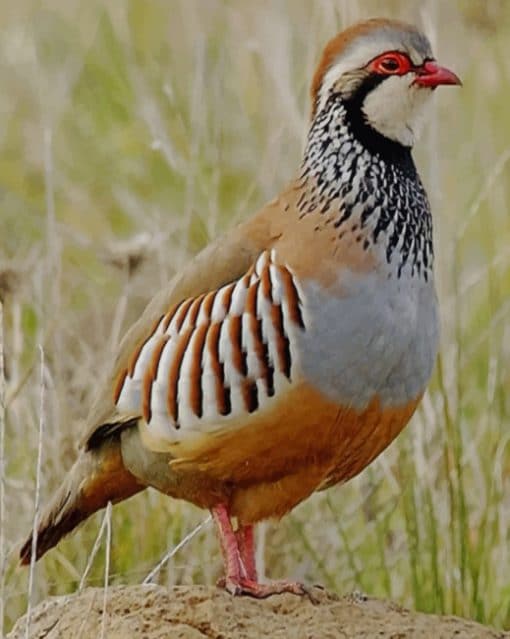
{"x":266,"y":470}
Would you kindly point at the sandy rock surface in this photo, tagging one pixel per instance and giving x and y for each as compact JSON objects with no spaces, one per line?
{"x":198,"y":612}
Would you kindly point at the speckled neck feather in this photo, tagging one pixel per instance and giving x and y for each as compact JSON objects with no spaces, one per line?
{"x":361,"y":182}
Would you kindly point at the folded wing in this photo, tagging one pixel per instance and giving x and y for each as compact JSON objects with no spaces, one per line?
{"x":213,"y":359}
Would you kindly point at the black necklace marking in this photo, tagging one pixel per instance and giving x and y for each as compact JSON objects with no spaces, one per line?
{"x":375,"y":142}
{"x":352,"y":171}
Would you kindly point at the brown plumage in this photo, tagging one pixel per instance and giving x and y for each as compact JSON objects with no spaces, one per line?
{"x":287,"y":355}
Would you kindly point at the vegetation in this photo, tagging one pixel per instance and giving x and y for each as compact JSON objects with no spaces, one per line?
{"x":131,"y":134}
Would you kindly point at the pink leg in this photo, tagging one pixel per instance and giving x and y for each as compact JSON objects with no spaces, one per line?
{"x":228,"y":544}
{"x":246,"y":545}
{"x":238,"y":580}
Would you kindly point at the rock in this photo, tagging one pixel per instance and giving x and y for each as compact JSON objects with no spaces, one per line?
{"x":199,"y":612}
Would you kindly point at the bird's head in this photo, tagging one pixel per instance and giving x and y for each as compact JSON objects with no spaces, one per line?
{"x":384,"y":72}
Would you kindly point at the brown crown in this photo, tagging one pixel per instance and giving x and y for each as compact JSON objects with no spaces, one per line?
{"x":341,"y":41}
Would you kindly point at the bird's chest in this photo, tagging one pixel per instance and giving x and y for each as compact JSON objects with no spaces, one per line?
{"x":376,"y":337}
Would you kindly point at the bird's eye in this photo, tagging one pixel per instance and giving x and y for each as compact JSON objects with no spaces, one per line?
{"x":390,"y":65}
{"x":393,"y":63}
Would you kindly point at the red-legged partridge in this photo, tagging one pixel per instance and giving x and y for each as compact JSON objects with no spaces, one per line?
{"x":287,"y":355}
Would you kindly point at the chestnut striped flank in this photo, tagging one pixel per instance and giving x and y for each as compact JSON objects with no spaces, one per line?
{"x":194,"y":310}
{"x":196,"y":393}
{"x":262,"y":352}
{"x":291,"y":296}
{"x":282,"y":341}
{"x":136,"y":353}
{"x":181,"y":314}
{"x":265,"y":280}
{"x":170,"y":315}
{"x":173,"y":377}
{"x":208,"y":303}
{"x":218,"y":371}
{"x":150,"y":375}
{"x":227,"y":297}
{"x":222,"y":354}
{"x":250,"y":396}
{"x":236,"y":339}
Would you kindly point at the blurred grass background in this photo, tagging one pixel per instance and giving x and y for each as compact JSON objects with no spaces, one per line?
{"x":133,"y":132}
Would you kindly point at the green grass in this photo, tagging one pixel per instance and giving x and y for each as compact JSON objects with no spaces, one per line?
{"x":131,"y":134}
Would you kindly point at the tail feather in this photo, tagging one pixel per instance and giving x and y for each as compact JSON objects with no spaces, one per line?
{"x":97,"y":477}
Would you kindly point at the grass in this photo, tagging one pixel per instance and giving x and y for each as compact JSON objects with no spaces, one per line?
{"x":134,"y":132}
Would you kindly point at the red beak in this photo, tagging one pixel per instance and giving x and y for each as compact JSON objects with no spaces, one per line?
{"x":430,"y":74}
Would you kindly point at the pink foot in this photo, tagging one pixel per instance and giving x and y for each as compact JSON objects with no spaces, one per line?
{"x":261,"y":591}
{"x":238,"y":550}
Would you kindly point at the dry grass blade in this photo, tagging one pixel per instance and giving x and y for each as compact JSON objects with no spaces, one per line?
{"x":37,"y":497}
{"x":171,"y":553}
{"x":488,"y":186}
{"x":108,"y":519}
{"x":105,"y":524}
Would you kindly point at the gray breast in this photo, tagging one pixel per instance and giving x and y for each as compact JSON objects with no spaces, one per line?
{"x":378,"y":338}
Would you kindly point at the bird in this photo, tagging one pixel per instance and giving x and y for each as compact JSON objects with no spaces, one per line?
{"x":289,"y":353}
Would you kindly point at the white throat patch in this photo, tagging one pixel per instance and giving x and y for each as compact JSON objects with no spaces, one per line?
{"x":396,"y":109}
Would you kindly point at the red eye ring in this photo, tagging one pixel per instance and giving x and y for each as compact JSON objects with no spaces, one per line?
{"x":391,"y":63}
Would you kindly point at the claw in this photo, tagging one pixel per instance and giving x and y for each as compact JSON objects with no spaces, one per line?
{"x":262,"y":591}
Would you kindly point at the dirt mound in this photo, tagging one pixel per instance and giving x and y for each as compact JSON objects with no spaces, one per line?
{"x":197,"y":612}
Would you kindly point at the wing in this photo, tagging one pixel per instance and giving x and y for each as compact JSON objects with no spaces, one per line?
{"x":222,"y":262}
{"x":213,"y":359}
